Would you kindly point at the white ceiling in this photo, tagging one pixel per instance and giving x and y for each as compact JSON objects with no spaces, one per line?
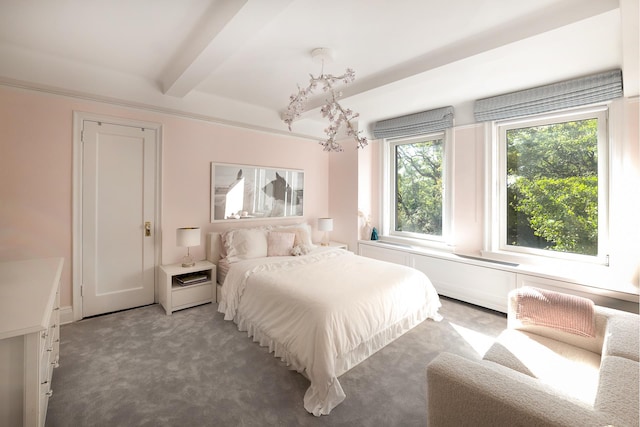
{"x":237,"y":61}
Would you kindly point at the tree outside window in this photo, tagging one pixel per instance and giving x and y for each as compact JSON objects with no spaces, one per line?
{"x":552,"y":187}
{"x":419,"y":187}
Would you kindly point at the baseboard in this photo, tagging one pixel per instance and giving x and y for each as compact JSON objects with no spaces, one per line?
{"x":66,"y":315}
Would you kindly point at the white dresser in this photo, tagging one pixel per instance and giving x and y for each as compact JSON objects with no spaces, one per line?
{"x":29,"y":338}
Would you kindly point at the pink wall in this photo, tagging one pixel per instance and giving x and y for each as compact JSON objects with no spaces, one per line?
{"x":343,"y":196}
{"x":370,"y":188}
{"x":197,"y":144}
{"x":35,"y":179}
{"x":36,"y":173}
{"x":468,"y":197}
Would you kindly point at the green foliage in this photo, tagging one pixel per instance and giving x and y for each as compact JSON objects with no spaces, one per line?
{"x":563,"y":211}
{"x":552,"y":190}
{"x":419,"y":187}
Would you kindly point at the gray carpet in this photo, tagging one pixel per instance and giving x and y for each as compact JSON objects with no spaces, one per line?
{"x":143,"y":368}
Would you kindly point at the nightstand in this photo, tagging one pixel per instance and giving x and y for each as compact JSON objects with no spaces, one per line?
{"x":338,"y":245}
{"x":184,"y":287}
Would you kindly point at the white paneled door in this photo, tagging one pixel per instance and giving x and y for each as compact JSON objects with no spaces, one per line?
{"x":118,"y":217}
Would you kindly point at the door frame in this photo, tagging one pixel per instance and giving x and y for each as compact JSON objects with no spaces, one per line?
{"x":76,"y":239}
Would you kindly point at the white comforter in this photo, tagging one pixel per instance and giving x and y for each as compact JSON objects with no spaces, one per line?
{"x":325,"y":312}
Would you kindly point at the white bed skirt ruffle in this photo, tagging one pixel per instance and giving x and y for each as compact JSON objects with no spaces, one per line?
{"x":315,"y":401}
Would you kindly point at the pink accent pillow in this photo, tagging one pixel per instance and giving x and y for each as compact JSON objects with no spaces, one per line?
{"x":280,"y":243}
{"x":302,"y":231}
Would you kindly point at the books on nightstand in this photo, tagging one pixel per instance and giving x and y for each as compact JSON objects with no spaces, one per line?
{"x":191,"y":279}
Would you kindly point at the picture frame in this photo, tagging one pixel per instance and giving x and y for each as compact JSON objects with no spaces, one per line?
{"x":246,"y":192}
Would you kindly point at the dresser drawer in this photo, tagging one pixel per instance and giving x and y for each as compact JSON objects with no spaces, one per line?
{"x":47,"y":363}
{"x":45,"y":394}
{"x":50,"y":338}
{"x":49,"y":353}
{"x":54,"y":330}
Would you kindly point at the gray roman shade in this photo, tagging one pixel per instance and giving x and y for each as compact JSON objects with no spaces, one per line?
{"x":415,"y":124}
{"x":556,"y":96}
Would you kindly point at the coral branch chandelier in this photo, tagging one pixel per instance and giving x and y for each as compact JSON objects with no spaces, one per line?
{"x":332,"y":110}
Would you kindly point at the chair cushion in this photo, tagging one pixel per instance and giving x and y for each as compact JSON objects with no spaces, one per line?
{"x":566,"y":368}
{"x":623,"y":337}
{"x":618,"y":393}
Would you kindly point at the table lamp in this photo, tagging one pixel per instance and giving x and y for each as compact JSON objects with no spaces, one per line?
{"x":326,"y":225}
{"x":188,"y":236}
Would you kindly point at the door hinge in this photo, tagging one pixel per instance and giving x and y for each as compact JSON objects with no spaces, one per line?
{"x":82,"y":135}
{"x":81,"y":290}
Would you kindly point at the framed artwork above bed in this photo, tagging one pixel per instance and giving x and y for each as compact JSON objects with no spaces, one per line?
{"x":254,"y":192}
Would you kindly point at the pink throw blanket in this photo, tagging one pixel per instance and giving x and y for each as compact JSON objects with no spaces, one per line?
{"x":568,"y":313}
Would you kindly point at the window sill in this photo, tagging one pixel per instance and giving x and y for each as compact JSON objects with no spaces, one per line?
{"x":417,"y":244}
{"x":600,"y":278}
{"x":591,"y":274}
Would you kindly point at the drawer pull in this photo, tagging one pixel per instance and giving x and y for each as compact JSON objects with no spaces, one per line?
{"x":56,"y":363}
{"x":57,"y":308}
{"x":44,"y":334}
{"x":45,"y":382}
{"x":50,"y":349}
{"x":49,"y":393}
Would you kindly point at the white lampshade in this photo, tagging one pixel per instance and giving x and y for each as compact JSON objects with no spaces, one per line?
{"x":325,"y":224}
{"x":188,"y":236}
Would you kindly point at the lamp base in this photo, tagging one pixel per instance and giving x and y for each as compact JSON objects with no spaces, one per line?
{"x":187,"y":261}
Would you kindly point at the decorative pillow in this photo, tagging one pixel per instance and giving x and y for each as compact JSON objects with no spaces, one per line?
{"x":280,"y":243}
{"x":245,"y":243}
{"x":302,"y":231}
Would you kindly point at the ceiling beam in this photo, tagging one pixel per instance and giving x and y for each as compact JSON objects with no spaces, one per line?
{"x":227,"y":26}
{"x":191,"y":63}
{"x":549,"y":19}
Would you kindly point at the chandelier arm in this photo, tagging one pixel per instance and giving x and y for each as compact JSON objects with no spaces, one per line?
{"x":332,"y":109}
{"x":361,"y":141}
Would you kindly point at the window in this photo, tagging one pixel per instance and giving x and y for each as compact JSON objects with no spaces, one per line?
{"x":417,"y":187}
{"x":552,"y":185}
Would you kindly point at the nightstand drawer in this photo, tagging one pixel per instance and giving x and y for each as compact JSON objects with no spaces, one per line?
{"x":187,"y":296}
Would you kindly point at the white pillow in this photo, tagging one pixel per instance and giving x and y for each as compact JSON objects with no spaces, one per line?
{"x":303,"y":233}
{"x":280,"y":243}
{"x":245,"y":243}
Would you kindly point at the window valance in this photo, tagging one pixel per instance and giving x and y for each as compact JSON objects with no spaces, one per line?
{"x":415,"y":124}
{"x":571,"y":93}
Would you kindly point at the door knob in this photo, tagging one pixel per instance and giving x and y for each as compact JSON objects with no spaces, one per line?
{"x":147,"y":228}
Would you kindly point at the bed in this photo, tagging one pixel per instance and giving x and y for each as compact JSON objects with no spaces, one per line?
{"x":322,"y":312}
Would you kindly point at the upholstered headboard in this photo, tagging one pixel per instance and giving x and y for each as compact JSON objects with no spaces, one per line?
{"x":214,"y":246}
